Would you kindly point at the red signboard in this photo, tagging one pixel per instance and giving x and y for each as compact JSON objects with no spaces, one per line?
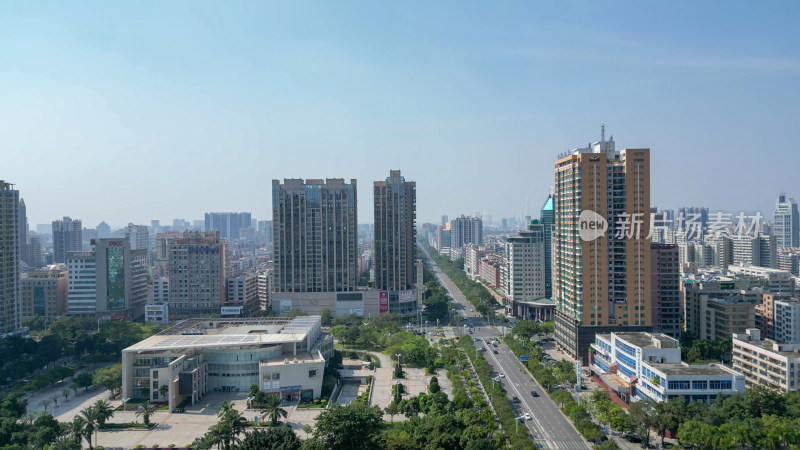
{"x":384,"y":302}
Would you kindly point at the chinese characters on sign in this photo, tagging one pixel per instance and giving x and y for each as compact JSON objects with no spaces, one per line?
{"x":592,"y":225}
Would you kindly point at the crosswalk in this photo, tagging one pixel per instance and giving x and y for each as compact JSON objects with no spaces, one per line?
{"x":563,"y":445}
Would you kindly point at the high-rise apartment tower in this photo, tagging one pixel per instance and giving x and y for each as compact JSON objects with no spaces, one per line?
{"x":315,"y":231}
{"x":395,"y":233}
{"x":601,"y":269}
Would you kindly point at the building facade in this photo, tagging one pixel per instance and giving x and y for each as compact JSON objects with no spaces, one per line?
{"x":9,"y":258}
{"x":198,"y":264}
{"x":601,"y":261}
{"x":766,"y":363}
{"x":548,"y":218}
{"x":665,"y":283}
{"x":67,"y":237}
{"x":525,"y":262}
{"x":43,"y":294}
{"x":315,"y":247}
{"x":229,"y":224}
{"x":786,"y":226}
{"x":647,"y":366}
{"x":465,"y":230}
{"x":243,"y":292}
{"x":281,"y":356}
{"x":395,"y":244}
{"x":108,"y":282}
{"x":787,"y":320}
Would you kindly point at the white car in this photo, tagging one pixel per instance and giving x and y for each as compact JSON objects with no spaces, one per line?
{"x":502,"y":375}
{"x":528,"y":416}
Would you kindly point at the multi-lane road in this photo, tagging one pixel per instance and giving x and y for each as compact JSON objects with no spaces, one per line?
{"x":548,"y":425}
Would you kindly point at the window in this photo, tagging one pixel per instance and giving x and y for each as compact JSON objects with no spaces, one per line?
{"x":312,"y":373}
{"x":155,"y":395}
{"x":155,"y":385}
{"x":155,"y":374}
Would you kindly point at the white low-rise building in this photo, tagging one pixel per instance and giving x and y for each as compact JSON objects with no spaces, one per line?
{"x":765,"y":362}
{"x":282,"y":356}
{"x":649,"y":366}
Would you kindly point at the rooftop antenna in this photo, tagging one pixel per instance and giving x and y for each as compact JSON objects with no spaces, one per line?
{"x":602,"y":132}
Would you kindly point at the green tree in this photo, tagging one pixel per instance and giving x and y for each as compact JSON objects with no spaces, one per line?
{"x":351,"y":427}
{"x":146,"y":411}
{"x":526,"y":329}
{"x":82,"y":429}
{"x":89,"y":416}
{"x":434,"y":387}
{"x":103,"y":411}
{"x":82,"y":380}
{"x":392,"y":410}
{"x":66,"y":393}
{"x":640,"y":414}
{"x":163,"y":390}
{"x":272,"y":409}
{"x":326,"y":316}
{"x":274,"y":438}
{"x":109,"y":378}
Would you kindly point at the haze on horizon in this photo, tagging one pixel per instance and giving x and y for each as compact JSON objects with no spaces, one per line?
{"x":127,"y":112}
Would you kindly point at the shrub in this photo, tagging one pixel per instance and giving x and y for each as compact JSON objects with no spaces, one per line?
{"x":156,"y":445}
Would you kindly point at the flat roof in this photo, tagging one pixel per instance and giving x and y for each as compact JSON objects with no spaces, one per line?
{"x":767,"y":346}
{"x":177,"y":342}
{"x":693,"y":369}
{"x":645,"y":340}
{"x":222,"y":333}
{"x":301,"y":357}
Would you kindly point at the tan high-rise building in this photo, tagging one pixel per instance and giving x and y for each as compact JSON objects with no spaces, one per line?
{"x":601,"y":257}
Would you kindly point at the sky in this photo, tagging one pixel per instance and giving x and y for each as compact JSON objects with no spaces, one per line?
{"x":130,"y":111}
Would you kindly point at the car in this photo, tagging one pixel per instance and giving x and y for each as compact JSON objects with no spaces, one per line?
{"x":496,"y":352}
{"x":483,"y":349}
{"x":630,"y":437}
{"x":502,"y":375}
{"x":534,"y":393}
{"x":528,"y":416}
{"x":494,"y":344}
{"x":476,"y":339}
{"x":515,"y":400}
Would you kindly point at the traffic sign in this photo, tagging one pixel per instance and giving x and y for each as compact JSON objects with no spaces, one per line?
{"x":523,"y":358}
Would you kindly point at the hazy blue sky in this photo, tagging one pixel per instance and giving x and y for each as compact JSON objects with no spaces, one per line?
{"x":131,"y":111}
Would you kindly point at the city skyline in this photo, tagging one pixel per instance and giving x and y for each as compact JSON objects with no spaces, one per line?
{"x":193,"y":109}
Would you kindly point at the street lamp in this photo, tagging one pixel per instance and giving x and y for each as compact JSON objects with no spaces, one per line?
{"x":398,"y":357}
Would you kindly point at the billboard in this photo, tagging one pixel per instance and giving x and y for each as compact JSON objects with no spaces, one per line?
{"x":286,"y":306}
{"x":407,"y":296}
{"x":384,"y":302}
{"x":231,"y":310}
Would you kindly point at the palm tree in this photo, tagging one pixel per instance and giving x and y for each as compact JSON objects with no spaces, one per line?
{"x":91,"y":417}
{"x":104,"y":411}
{"x":145,"y":411}
{"x":82,"y":429}
{"x":272,"y":409}
{"x":231,"y":424}
{"x":204,"y":442}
